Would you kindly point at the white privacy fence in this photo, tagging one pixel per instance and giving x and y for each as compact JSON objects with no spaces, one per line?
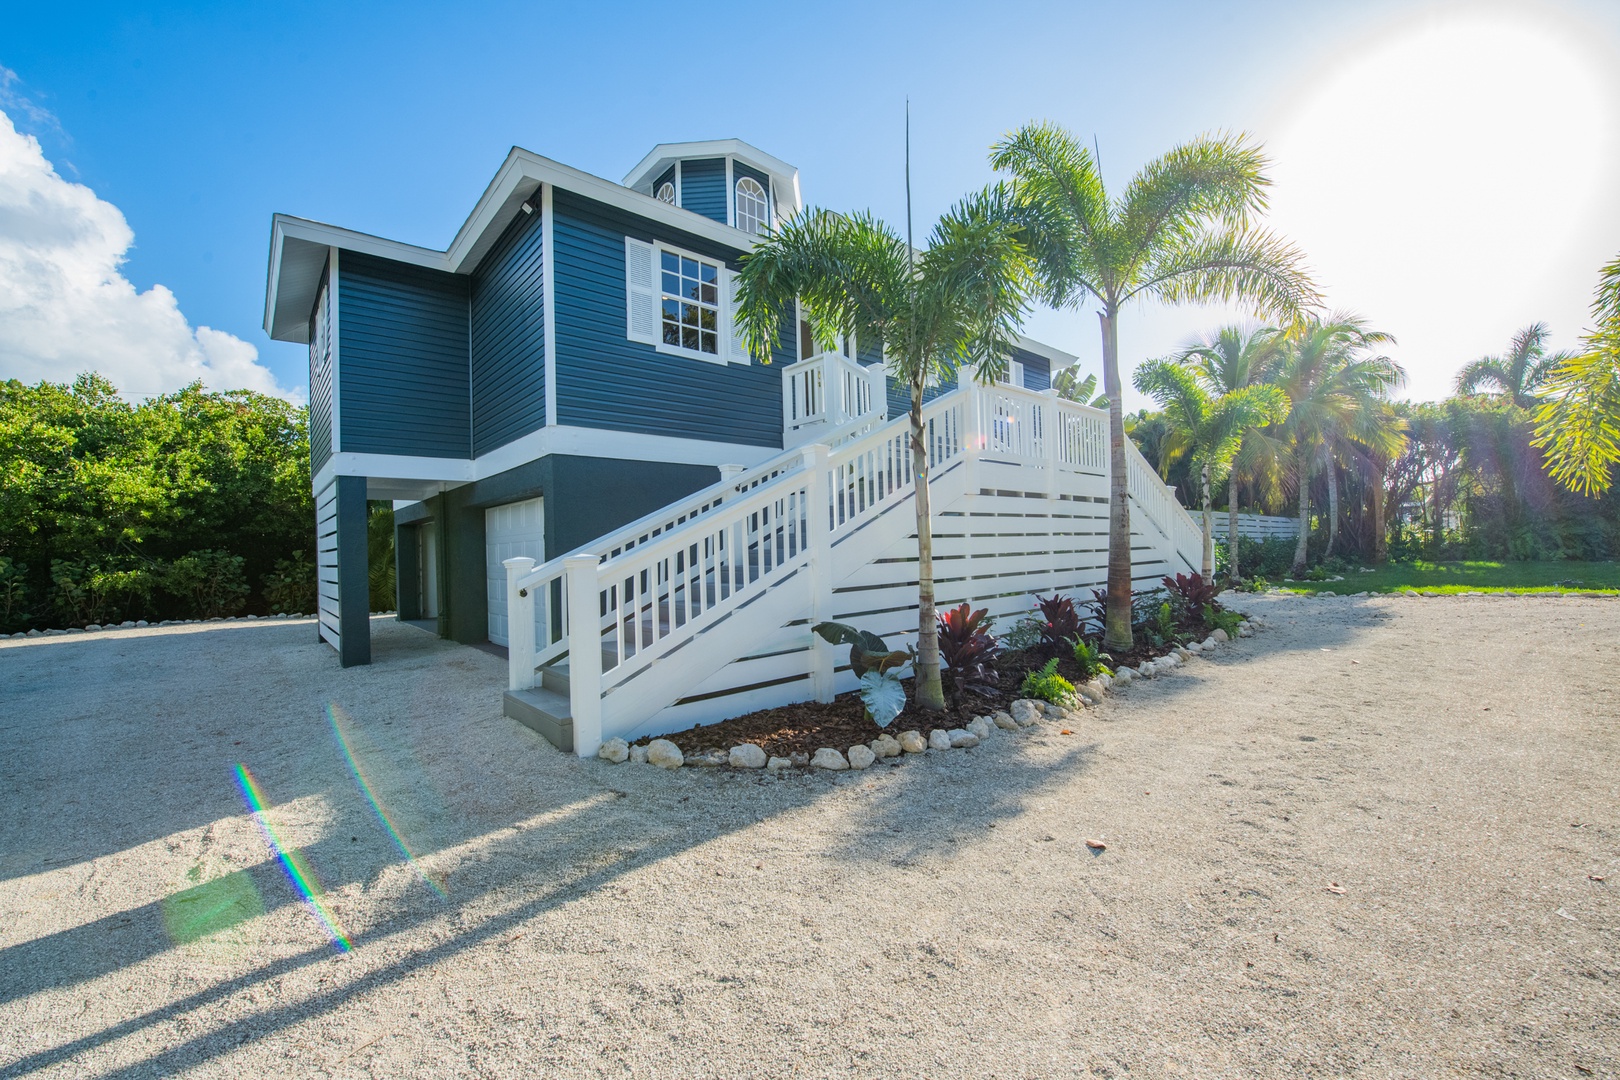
{"x":1257,"y":526}
{"x":703,"y":610}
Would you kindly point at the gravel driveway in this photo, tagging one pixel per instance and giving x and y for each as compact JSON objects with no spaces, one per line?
{"x":1370,"y":841}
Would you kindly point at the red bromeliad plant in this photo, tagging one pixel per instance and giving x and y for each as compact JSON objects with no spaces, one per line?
{"x":967,"y":648}
{"x":1060,"y":623}
{"x":1192,"y":592}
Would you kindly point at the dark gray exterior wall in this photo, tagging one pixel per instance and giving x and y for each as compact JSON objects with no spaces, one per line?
{"x":604,"y":380}
{"x":509,"y":337}
{"x":703,"y":187}
{"x":586,"y":497}
{"x":402,"y":359}
{"x":353,"y":573}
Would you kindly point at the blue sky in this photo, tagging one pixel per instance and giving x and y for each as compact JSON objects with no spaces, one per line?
{"x":198,"y":122}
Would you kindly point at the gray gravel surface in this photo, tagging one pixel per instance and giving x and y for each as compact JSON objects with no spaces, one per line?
{"x":1366,"y":842}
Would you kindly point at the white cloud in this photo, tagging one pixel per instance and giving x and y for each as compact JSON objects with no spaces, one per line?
{"x":66,"y":308}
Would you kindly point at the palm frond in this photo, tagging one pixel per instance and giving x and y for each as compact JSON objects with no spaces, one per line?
{"x":1219,"y":178}
{"x":1579,"y":425}
{"x":1255,"y":267}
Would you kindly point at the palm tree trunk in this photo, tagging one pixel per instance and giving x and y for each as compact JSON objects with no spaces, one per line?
{"x":1303,"y":467}
{"x":1332,"y":471}
{"x":930,"y":691}
{"x":1117,"y":617}
{"x":1209,"y":532}
{"x":1232,"y":529}
{"x":1380,"y":544}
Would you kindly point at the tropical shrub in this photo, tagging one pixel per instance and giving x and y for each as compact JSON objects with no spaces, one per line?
{"x":85,"y":593}
{"x":1089,"y":656}
{"x":290,"y":587}
{"x":867,"y":651}
{"x":1190,"y":591}
{"x":1059,"y":621}
{"x":1025,"y":634}
{"x":210,"y":583}
{"x":883,"y":696}
{"x":1220,"y":619}
{"x":968,"y":649}
{"x":14,"y":595}
{"x":1047,"y":685}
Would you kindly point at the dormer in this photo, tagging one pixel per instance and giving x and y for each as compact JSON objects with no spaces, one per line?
{"x":724,"y":180}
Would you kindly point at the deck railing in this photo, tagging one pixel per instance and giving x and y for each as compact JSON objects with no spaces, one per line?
{"x":828,"y":391}
{"x":649,"y":591}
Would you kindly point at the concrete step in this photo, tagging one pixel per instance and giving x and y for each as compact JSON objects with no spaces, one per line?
{"x":545,"y":711}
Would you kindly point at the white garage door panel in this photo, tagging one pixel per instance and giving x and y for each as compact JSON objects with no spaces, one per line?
{"x":509,"y":531}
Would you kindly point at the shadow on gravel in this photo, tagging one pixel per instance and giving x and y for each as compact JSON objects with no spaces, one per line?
{"x":548,"y":831}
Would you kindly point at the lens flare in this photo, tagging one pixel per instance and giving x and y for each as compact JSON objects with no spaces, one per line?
{"x":298,"y":871}
{"x":341,"y":719}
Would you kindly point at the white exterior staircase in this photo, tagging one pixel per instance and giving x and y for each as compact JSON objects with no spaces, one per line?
{"x":703,"y":610}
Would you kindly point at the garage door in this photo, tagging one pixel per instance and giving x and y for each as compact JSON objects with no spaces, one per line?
{"x":509,"y":531}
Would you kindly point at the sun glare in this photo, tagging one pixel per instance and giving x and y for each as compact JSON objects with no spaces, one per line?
{"x":1450,"y":178}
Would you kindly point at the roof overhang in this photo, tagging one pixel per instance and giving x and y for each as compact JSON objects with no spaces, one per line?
{"x":784,"y":176}
{"x":1057,"y":357}
{"x":299,"y":247}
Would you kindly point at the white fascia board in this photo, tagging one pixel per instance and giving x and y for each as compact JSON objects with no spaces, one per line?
{"x":664,"y":153}
{"x":311,"y":241}
{"x":523,"y":170}
{"x":1058,"y":357}
{"x":577,"y":441}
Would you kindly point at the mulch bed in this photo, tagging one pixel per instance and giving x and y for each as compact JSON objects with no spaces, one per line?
{"x":807,"y":726}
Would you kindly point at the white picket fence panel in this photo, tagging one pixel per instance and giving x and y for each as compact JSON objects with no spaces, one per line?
{"x":702,"y":611}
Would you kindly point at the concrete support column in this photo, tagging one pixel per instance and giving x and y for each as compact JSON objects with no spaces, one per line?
{"x":353,"y":573}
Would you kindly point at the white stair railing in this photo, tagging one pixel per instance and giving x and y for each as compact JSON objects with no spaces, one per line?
{"x":828,"y":391}
{"x":656,"y":588}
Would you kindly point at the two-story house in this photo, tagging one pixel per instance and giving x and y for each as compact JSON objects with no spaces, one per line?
{"x":567,"y":365}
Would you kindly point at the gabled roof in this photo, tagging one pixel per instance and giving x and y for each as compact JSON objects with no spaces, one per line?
{"x":784,"y":177}
{"x":298,"y":246}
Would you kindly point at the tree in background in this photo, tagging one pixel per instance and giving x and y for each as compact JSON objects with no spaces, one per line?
{"x":1209,"y":426}
{"x":117,"y":509}
{"x":1334,"y":386}
{"x":1520,"y":374}
{"x":1180,"y":233}
{"x":1579,"y":426}
{"x":1234,"y":359}
{"x":1071,"y":387}
{"x":956,"y":304}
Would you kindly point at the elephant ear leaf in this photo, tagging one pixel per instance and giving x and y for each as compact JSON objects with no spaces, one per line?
{"x":871,"y":643}
{"x":883,"y":697}
{"x":838,"y":633}
{"x":888,"y":661}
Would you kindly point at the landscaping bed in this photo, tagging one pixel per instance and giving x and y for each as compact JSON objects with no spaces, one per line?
{"x":800,"y":729}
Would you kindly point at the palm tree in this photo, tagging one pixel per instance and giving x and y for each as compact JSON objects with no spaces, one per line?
{"x":960,"y":301}
{"x":1179,"y":233}
{"x":1210,"y":427}
{"x":1519,"y":374}
{"x":1234,"y":359}
{"x":1071,"y":387}
{"x":1579,"y":426}
{"x":1335,"y":389}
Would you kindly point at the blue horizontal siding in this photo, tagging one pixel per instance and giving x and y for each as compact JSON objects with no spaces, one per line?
{"x":899,"y":393}
{"x":509,"y":337}
{"x":402,"y":359}
{"x":604,"y":380}
{"x":320,"y":387}
{"x":1037,"y":370}
{"x":703,"y":187}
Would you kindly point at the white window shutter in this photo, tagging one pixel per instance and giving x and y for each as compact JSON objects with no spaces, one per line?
{"x":739,"y":347}
{"x":641,"y":291}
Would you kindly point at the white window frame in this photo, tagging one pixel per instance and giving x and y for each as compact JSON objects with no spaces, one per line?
{"x":763,"y":199}
{"x":731,"y":349}
{"x":1014,"y":375}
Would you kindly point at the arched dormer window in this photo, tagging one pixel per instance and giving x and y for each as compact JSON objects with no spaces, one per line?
{"x":753,"y":206}
{"x":666,"y":193}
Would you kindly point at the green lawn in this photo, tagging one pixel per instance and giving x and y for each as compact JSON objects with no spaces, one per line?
{"x":1458,"y":577}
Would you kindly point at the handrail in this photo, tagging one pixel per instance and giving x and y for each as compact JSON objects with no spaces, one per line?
{"x":648,"y":589}
{"x":829,"y":389}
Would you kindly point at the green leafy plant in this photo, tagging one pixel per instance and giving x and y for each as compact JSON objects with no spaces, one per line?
{"x":1025,"y":634}
{"x":883,"y":696}
{"x":1221,"y":619}
{"x":290,"y":587}
{"x":210,"y":583}
{"x":85,"y":593}
{"x":1047,"y":685}
{"x":877,"y":667}
{"x":13,"y":595}
{"x":1089,"y":656}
